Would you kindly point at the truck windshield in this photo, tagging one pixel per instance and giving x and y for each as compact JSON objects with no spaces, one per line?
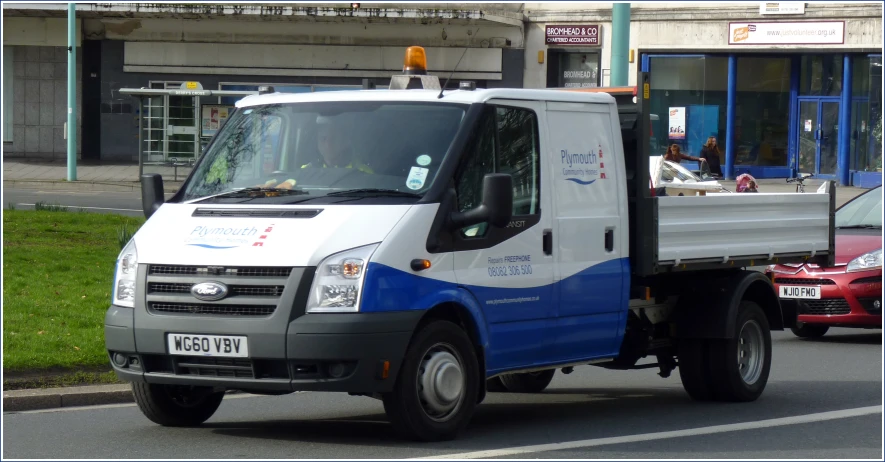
{"x":328,"y":147}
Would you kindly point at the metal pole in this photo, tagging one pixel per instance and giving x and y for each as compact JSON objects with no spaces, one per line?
{"x":620,"y":65}
{"x":72,"y":92}
{"x":140,"y":134}
{"x":730,"y":118}
{"x":843,"y":154}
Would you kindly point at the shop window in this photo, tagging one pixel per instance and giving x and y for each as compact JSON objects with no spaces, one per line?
{"x":762,"y":113}
{"x":820,"y":75}
{"x":688,"y":97}
{"x":866,"y":114}
{"x":573,"y":69}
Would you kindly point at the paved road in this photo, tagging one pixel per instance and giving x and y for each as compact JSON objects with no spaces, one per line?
{"x":124,"y":203}
{"x":816,"y":380}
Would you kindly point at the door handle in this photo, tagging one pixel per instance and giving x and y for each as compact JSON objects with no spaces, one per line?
{"x":548,"y":242}
{"x":609,"y":240}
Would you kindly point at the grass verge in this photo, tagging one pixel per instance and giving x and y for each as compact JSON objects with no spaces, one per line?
{"x":74,"y":379}
{"x":58,"y":268}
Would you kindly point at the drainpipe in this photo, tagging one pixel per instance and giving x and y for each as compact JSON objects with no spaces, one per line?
{"x":72,"y":92}
{"x":620,"y":66}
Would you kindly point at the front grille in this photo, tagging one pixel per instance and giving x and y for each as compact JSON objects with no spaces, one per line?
{"x":215,"y":367}
{"x":242,"y":290}
{"x":225,"y":310}
{"x":825,"y":307}
{"x":269,"y":272}
{"x":805,"y":282}
{"x":252,"y":290}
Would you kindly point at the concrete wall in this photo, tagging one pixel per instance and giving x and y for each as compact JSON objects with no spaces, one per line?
{"x":39,"y":102}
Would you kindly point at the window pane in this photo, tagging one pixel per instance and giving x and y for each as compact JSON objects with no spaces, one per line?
{"x":762,"y":112}
{"x":875,"y":121}
{"x":480,"y":160}
{"x":821,"y":75}
{"x":578,"y":70}
{"x":518,"y":156}
{"x":697,"y":84}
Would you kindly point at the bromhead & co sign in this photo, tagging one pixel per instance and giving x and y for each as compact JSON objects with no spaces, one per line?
{"x":587,"y":35}
{"x":787,"y":33}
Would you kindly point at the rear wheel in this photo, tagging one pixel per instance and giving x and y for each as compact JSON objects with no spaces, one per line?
{"x":437,"y":388}
{"x":528,"y":382}
{"x":809,"y":330}
{"x":175,"y":405}
{"x":734,"y":369}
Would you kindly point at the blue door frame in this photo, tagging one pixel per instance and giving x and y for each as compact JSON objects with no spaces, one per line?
{"x":821,"y":134}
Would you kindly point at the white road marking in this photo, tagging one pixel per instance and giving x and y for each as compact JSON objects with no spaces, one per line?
{"x":118,"y":405}
{"x":82,"y":207}
{"x":794,"y":420}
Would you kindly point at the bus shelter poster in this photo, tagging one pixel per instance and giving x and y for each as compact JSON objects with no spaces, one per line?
{"x":213,"y":117}
{"x":677,"y":123}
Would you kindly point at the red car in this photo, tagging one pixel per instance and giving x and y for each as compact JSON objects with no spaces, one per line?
{"x":850,"y":293}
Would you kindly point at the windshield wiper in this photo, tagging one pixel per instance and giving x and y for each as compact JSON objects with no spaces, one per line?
{"x":373,"y":192}
{"x":253,"y":192}
{"x":860,"y":227}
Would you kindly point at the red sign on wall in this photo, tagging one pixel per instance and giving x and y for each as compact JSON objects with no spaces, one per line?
{"x":586,"y":35}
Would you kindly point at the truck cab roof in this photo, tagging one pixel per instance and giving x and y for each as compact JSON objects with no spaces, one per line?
{"x":451,"y":96}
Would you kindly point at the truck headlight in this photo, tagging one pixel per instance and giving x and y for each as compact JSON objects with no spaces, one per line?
{"x":867,"y":261}
{"x":339,"y":280}
{"x":124,"y":276}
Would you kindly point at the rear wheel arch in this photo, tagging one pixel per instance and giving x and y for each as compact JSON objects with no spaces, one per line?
{"x":762,"y":293}
{"x":709,"y":308}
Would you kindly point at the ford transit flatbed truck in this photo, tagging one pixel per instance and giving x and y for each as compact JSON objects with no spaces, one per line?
{"x":421,"y":246}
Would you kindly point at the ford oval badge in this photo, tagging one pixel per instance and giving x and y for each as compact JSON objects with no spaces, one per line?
{"x":209,"y":291}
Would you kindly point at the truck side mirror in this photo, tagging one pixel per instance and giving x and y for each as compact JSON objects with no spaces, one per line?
{"x":497,"y":203}
{"x":151,"y":193}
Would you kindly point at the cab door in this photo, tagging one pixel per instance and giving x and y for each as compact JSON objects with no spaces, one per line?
{"x":509,"y":270}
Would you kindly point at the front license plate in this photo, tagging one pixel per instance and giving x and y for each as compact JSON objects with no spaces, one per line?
{"x":208,"y":345}
{"x":801,"y":292}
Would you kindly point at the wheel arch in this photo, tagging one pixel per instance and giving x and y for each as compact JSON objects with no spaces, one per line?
{"x":462,"y":316}
{"x":709,"y":310}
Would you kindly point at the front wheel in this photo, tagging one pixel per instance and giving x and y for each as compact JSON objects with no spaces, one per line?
{"x":174,"y":405}
{"x":528,"y":382}
{"x":437,"y":387}
{"x":804,"y":330}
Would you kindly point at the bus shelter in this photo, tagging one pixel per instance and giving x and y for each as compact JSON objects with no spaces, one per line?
{"x":175,"y":126}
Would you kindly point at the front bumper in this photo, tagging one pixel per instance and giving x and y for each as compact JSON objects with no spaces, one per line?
{"x":324,"y":352}
{"x":288,"y":349}
{"x":846,"y":300}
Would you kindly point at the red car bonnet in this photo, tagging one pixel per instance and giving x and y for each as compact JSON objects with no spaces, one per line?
{"x":850,"y":245}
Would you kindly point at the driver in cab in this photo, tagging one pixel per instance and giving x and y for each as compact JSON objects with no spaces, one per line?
{"x":334,"y":147}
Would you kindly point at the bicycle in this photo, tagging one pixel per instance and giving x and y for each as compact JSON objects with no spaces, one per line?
{"x":800,"y":181}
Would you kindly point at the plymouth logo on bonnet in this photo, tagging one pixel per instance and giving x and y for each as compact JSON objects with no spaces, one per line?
{"x":209,"y":291}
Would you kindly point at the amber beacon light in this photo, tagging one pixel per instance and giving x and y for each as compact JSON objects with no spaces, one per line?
{"x":415,"y":62}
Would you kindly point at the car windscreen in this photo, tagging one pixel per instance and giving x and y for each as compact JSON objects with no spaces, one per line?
{"x":864,"y":211}
{"x":323,"y":147}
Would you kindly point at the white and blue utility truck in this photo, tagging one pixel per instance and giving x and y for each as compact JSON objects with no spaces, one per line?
{"x":421,"y":247}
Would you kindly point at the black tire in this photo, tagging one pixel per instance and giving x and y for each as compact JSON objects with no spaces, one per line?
{"x":494,"y":385}
{"x":708,"y":368}
{"x":693,"y":370}
{"x":528,"y":382}
{"x":176,"y":406}
{"x":805,"y":330}
{"x":407,"y":410}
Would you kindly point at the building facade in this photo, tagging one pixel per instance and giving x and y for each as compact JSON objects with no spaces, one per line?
{"x":784,"y":88}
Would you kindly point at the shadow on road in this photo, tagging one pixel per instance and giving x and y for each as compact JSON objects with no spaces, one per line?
{"x":557,"y":415}
{"x":847,"y":339}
